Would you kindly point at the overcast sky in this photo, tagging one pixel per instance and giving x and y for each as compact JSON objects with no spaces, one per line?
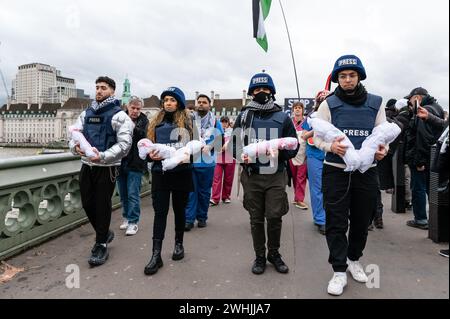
{"x":204,"y":45}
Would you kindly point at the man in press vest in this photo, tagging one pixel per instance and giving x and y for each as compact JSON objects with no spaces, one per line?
{"x":109,"y":130}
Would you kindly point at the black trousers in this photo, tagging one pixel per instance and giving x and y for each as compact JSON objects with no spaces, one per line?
{"x":274,"y":227}
{"x":161,"y":202}
{"x":97,"y":186}
{"x":378,"y":213}
{"x":348,"y":197}
{"x":265,"y":198}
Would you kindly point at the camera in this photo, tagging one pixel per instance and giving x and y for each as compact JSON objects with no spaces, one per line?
{"x":416,"y":107}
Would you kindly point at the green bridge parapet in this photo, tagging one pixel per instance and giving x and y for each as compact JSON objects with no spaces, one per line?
{"x":40,"y":199}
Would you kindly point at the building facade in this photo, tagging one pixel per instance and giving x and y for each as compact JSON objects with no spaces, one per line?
{"x":49,"y":122}
{"x":223,"y":107}
{"x":82,"y":95}
{"x":28,"y":126}
{"x":38,"y":83}
{"x":39,"y":124}
{"x":64,"y":90}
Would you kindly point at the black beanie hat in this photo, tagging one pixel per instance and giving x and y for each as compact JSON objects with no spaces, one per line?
{"x":391,"y":103}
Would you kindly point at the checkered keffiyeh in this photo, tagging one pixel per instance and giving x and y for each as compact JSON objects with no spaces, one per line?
{"x":97,"y":106}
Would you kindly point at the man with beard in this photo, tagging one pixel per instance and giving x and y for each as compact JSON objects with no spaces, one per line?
{"x":349,"y":196}
{"x":211,"y":131}
{"x":264,"y":184}
{"x":109,"y":130}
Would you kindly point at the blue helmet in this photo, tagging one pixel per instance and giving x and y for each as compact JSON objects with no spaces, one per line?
{"x":261,"y":80}
{"x":348,"y":62}
{"x":177,"y":94}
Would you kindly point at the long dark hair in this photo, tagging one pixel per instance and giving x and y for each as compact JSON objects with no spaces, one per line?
{"x":182,"y":119}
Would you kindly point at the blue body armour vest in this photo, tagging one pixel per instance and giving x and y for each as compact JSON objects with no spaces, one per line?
{"x":357,"y":122}
{"x":267,"y":128}
{"x":97,"y":126}
{"x":163,"y":134}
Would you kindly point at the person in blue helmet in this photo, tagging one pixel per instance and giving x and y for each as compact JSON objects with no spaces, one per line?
{"x":265,"y":178}
{"x":349,"y":196}
{"x":172,"y":126}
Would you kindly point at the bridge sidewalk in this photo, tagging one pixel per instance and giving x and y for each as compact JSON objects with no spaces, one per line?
{"x":219,"y":258}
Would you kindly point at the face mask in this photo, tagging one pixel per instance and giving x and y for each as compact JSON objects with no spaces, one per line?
{"x":262,"y":98}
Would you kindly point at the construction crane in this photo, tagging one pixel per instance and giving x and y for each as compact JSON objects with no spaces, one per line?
{"x":4,"y":81}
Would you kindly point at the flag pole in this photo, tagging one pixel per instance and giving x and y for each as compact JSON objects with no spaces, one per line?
{"x":292,"y":51}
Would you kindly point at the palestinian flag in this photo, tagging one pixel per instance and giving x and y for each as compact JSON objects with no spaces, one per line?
{"x":261,"y":9}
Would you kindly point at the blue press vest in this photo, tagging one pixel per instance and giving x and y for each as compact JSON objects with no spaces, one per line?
{"x":272,"y":128}
{"x":97,"y":126}
{"x":163,"y":134}
{"x":357,"y":122}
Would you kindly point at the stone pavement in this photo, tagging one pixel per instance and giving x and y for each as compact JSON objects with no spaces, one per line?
{"x":219,"y":258}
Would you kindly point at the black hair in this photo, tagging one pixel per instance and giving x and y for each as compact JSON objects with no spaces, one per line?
{"x":107,"y":80}
{"x":299,"y":104}
{"x":225,"y":119}
{"x":391,"y":103}
{"x":205,"y":97}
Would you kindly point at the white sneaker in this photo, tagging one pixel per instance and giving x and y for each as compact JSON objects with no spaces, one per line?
{"x":357,"y":271}
{"x":124,"y":225}
{"x":227,"y":201}
{"x":337,"y":284}
{"x":132,"y":230}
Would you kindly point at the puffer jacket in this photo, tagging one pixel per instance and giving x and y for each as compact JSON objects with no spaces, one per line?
{"x":123,"y":126}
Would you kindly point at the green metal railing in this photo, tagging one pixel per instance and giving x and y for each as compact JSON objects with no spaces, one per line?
{"x":40,"y":199}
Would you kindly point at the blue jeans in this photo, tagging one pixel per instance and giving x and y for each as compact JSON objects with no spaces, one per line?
{"x":315,"y":168}
{"x":420,"y":188}
{"x":198,"y":204}
{"x":130,"y":194}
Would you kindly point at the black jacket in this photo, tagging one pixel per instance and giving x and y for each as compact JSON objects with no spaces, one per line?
{"x":438,"y":122}
{"x":132,"y":160}
{"x":421,"y":135}
{"x":402,"y":119}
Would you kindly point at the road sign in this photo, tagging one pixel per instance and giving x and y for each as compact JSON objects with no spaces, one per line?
{"x":309,"y":104}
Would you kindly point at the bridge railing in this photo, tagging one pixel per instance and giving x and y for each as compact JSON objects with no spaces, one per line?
{"x":40,"y":199}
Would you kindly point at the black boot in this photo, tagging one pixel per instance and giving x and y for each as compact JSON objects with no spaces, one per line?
{"x":99,"y":255}
{"x":259,"y":266}
{"x":378,"y":222}
{"x":110,"y":238}
{"x":178,"y":253}
{"x":156,"y":261}
{"x":275,"y":259}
